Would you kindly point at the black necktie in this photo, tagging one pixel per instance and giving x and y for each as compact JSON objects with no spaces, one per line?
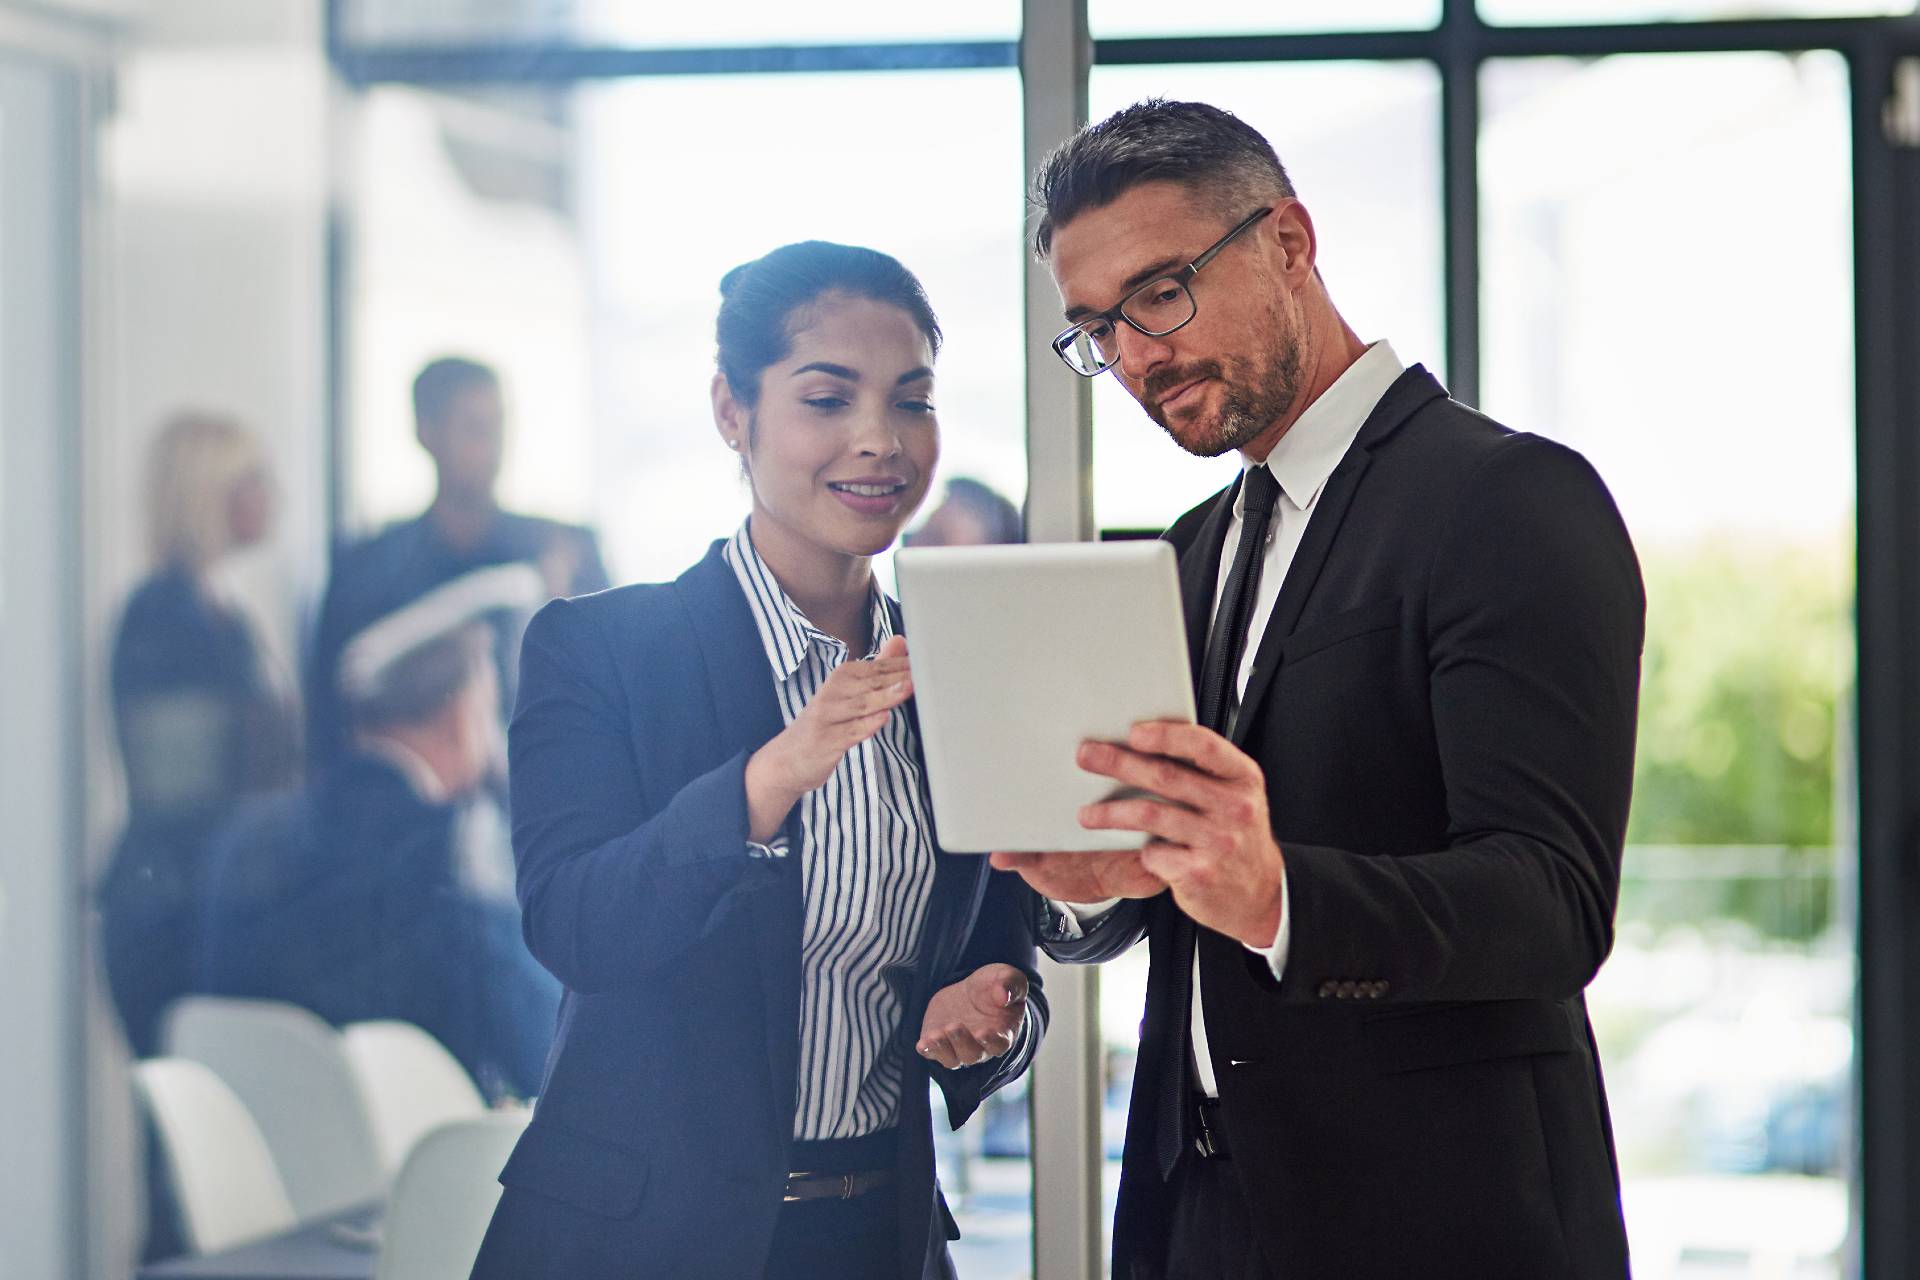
{"x":1219,"y":683}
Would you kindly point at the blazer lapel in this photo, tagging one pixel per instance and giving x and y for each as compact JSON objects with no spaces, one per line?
{"x":738,"y":678}
{"x":1200,"y":576}
{"x":747,"y":711}
{"x":1409,"y":392}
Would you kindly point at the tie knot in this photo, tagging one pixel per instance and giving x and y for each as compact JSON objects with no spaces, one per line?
{"x":1259,"y":491}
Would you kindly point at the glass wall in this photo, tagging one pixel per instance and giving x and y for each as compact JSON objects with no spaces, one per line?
{"x":1361,"y":142}
{"x":578,"y":244}
{"x":616,"y":22}
{"x":1120,"y":18}
{"x":1571,"y":12}
{"x":1667,"y":282}
{"x":1664,"y":279}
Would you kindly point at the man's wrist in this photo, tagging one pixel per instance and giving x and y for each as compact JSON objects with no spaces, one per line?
{"x":1264,"y":930}
{"x":1275,"y":947}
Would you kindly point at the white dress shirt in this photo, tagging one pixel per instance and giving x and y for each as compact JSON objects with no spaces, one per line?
{"x":1303,"y":459}
{"x":866,"y":874}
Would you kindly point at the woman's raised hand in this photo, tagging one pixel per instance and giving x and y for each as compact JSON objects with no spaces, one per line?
{"x":975,"y":1019}
{"x":850,"y":707}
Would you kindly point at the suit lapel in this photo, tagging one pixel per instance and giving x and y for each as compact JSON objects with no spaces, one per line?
{"x":1200,"y":576}
{"x":739,"y":679}
{"x":747,"y":712}
{"x":1410,"y":390}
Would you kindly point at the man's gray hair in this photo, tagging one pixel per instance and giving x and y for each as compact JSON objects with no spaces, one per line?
{"x":1220,"y":157}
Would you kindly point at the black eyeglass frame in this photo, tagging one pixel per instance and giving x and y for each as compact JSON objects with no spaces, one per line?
{"x":1117,"y":314}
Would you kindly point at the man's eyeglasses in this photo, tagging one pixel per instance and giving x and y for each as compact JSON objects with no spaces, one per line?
{"x":1156,"y":309}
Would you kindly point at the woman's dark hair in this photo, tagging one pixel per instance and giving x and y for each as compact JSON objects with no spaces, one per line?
{"x":763,"y":301}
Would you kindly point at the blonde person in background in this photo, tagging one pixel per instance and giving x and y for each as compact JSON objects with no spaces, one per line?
{"x":200,"y":724}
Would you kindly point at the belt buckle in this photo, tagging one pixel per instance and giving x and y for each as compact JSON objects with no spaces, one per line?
{"x":846,"y":1186}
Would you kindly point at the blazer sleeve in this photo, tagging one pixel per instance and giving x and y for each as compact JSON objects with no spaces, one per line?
{"x":1112,"y":935}
{"x":611,"y":889}
{"x":1535,"y":621}
{"x":1002,"y":934}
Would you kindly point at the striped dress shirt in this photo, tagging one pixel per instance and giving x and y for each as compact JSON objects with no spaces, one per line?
{"x":866,"y":865}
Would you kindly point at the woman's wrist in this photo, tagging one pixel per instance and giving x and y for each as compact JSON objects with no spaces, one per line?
{"x":769,"y":795}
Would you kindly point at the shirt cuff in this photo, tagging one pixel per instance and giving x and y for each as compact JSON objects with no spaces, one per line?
{"x":1073,"y":919}
{"x":1277,"y":953}
{"x":774,"y":848}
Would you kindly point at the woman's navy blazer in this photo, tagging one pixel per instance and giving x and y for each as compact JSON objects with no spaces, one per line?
{"x":660,"y":1143}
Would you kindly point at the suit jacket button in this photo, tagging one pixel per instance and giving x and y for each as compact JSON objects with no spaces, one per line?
{"x":1347,"y":990}
{"x":1329,"y":989}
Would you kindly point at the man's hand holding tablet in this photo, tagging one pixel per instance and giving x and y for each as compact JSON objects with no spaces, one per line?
{"x":1209,"y":838}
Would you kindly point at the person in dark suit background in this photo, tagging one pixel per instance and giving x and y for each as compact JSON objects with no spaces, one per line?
{"x":725,"y":850}
{"x":460,"y":419}
{"x":200,"y":721}
{"x":384,"y":889}
{"x":1383,"y":867}
{"x":973,"y":515}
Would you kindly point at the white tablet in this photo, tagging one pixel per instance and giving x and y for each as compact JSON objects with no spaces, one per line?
{"x":1019,"y":653}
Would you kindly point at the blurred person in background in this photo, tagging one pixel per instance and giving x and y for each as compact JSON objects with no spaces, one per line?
{"x":460,"y":420}
{"x":972,"y":516}
{"x":200,"y":722}
{"x":385,"y":888}
{"x":725,"y":849}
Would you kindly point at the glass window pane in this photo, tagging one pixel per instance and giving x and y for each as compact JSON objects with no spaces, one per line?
{"x":1667,"y":257}
{"x":1556,"y":13}
{"x":1119,"y":18}
{"x":598,"y":301}
{"x":1361,"y":143}
{"x":578,"y":244}
{"x":655,"y":26}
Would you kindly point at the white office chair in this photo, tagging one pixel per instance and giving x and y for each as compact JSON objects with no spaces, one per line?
{"x":291,"y":1070}
{"x":445,"y":1197}
{"x":224,"y":1181}
{"x":411,"y":1085}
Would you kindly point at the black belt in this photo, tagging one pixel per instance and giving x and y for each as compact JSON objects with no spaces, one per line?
{"x":834,"y":1186}
{"x":1210,"y":1129}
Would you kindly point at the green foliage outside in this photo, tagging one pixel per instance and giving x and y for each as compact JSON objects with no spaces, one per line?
{"x":1747,"y":678}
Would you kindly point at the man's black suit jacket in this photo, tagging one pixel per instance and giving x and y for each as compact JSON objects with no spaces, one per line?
{"x":660,"y":1143}
{"x":1443,"y":703}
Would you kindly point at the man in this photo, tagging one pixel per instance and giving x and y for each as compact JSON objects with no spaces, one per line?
{"x":1381,"y":871}
{"x":972,"y":515}
{"x":459,"y":418}
{"x":385,"y":890}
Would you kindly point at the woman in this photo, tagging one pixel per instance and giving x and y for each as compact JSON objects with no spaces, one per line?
{"x":200,"y":723}
{"x":725,"y":851}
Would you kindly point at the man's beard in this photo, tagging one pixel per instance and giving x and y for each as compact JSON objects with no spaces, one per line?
{"x":1251,"y":402}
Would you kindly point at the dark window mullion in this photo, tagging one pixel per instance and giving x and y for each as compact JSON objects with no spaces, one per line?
{"x":1887,"y":307}
{"x":1460,"y":185}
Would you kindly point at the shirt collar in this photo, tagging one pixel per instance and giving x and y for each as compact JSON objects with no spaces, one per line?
{"x":785,"y":632}
{"x":1325,"y":430}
